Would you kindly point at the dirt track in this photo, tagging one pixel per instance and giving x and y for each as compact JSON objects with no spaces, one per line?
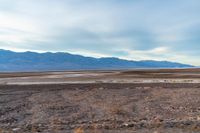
{"x":100,"y":108}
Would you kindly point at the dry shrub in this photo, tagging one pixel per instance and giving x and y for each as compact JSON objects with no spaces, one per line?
{"x":34,"y":129}
{"x":195,"y":127}
{"x":55,"y":123}
{"x":95,"y":128}
{"x":78,"y":130}
{"x":116,"y":110}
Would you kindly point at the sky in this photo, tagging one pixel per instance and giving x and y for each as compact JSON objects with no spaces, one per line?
{"x":127,"y":29}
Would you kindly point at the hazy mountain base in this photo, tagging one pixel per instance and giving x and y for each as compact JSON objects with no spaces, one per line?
{"x":30,"y":61}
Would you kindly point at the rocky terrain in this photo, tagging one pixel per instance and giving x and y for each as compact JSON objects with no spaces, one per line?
{"x":100,"y":107}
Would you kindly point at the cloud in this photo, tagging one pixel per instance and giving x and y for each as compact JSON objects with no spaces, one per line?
{"x":130,"y":29}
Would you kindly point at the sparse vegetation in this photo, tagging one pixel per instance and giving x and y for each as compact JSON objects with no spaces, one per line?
{"x":78,"y":130}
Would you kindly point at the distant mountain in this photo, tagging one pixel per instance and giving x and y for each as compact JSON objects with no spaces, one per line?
{"x":31,"y":61}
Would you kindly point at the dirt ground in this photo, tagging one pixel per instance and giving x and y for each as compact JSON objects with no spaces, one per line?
{"x":100,"y":107}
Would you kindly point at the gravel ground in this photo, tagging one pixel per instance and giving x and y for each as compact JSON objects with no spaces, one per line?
{"x":100,"y":108}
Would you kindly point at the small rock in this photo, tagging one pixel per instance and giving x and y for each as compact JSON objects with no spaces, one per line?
{"x":16,"y":129}
{"x":158,"y":119}
{"x":39,"y":125}
{"x":126,"y":124}
{"x":156,"y":132}
{"x":101,"y":88}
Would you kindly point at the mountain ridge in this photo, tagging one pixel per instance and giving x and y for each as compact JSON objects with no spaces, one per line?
{"x":49,"y":61}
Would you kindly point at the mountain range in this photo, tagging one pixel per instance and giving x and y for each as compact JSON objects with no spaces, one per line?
{"x":32,"y":61}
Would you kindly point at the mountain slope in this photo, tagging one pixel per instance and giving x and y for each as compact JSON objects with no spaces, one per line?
{"x":31,"y":61}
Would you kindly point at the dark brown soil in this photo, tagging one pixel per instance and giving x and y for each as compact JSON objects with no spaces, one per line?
{"x":162,"y":73}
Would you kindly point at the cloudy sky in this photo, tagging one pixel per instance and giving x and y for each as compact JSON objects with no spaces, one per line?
{"x":128,"y":29}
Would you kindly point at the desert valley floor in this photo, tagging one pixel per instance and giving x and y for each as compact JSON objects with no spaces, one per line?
{"x":117,"y":101}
